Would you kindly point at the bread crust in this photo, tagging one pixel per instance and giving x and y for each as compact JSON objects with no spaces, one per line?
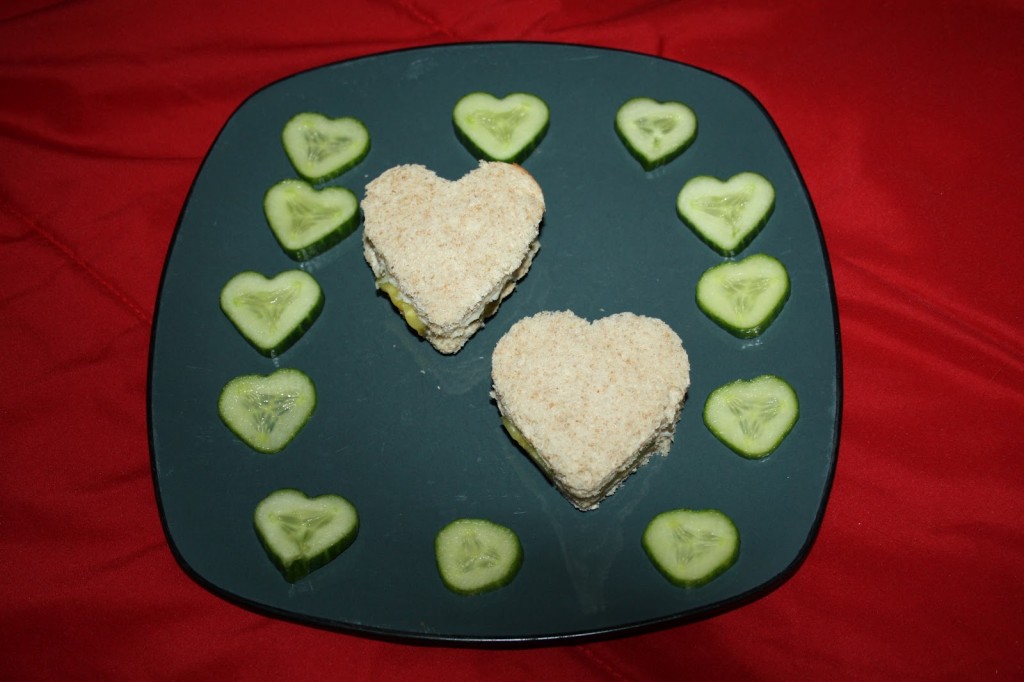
{"x":453,"y":249}
{"x":595,"y":400}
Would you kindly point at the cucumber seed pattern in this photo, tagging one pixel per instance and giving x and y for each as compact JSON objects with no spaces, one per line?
{"x":265,"y":409}
{"x":500,"y":124}
{"x":304,"y":215}
{"x":691,"y":544}
{"x":726,"y":207}
{"x":744,"y":291}
{"x":476,"y":555}
{"x":657,"y":127}
{"x":320,"y":145}
{"x":268,"y":306}
{"x":752,"y":415}
{"x":301,"y":529}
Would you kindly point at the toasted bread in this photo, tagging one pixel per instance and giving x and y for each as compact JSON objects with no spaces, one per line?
{"x":448,"y":252}
{"x":590,"y":402}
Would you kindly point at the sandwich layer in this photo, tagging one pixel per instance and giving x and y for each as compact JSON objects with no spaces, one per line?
{"x":448,"y":252}
{"x":590,"y":402}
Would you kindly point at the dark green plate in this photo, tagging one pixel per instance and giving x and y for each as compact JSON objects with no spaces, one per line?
{"x":410,"y":436}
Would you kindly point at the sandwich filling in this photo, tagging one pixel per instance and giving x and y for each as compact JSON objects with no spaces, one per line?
{"x":590,"y":403}
{"x":451,"y":336}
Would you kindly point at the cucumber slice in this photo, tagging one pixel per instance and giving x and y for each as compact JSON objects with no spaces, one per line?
{"x":744,"y":297}
{"x":321,"y":148}
{"x":300,"y":534}
{"x":752,"y":417}
{"x":726,"y":215}
{"x":477,"y":555}
{"x":267,"y":412}
{"x":306,"y":221}
{"x":506,"y":129}
{"x":272,"y":314}
{"x":691,"y":547}
{"x":655,"y":132}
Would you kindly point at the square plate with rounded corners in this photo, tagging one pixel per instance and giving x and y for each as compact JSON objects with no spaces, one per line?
{"x":412,"y":437}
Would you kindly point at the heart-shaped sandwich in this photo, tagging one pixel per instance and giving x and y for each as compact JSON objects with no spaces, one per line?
{"x":590,"y":402}
{"x":448,"y":252}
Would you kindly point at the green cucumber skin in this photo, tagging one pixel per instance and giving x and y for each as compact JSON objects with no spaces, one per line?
{"x":744,"y":243}
{"x":298,"y":570}
{"x":710,"y":575}
{"x":746,"y":332}
{"x":647,"y":164}
{"x":290,"y":340}
{"x":327,"y":177}
{"x":479,"y":153}
{"x":298,"y":332}
{"x":329,"y":241}
{"x":344,"y":167}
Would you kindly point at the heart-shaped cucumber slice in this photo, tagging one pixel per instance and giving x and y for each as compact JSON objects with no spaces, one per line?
{"x":744,"y":297}
{"x":726,"y":215}
{"x":752,"y":417}
{"x":507,"y":129}
{"x":267,"y":412}
{"x":272,"y":314}
{"x":321,"y":148}
{"x":307,"y":221}
{"x":301,"y":534}
{"x":655,"y":132}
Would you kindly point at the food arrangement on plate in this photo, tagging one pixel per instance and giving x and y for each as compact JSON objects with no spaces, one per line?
{"x":414,"y":437}
{"x":589,"y":402}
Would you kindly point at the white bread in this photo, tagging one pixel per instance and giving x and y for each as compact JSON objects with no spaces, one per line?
{"x":453,"y":249}
{"x":593,"y":401}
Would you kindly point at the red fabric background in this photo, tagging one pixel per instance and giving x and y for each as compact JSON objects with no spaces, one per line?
{"x":905,"y":123}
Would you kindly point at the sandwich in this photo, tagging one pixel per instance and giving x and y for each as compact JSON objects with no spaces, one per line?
{"x":448,"y":252}
{"x":590,"y":402}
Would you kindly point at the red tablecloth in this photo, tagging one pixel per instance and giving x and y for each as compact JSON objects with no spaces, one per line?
{"x":906,"y":125}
